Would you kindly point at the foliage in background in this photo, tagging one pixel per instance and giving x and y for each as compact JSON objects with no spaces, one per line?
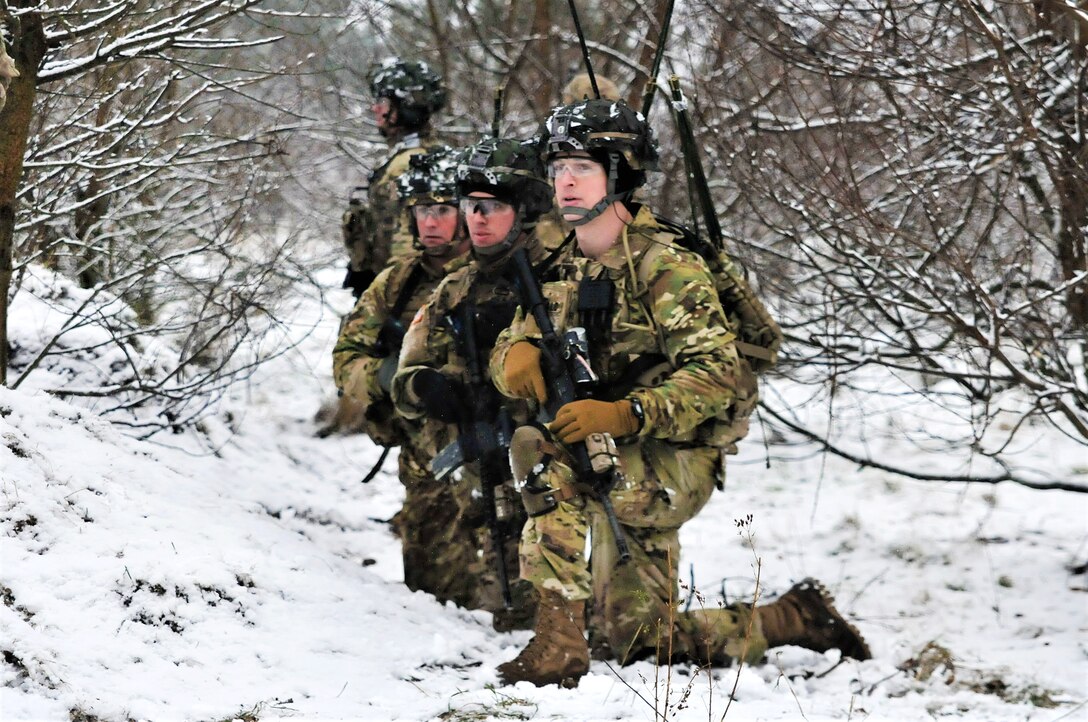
{"x":905,"y":183}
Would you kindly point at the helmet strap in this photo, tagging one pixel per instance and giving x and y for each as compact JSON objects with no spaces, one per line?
{"x":611,"y":196}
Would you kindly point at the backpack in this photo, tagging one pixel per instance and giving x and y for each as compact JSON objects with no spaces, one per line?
{"x":758,"y":336}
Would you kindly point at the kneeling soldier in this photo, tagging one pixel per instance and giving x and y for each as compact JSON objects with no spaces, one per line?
{"x":659,"y":341}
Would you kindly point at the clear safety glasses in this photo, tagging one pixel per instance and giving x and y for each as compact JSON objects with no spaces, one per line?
{"x":435,"y":212}
{"x":577,"y":167}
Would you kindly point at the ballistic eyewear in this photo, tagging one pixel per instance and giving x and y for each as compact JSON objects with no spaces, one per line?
{"x":434,"y":212}
{"x":483,"y":206}
{"x":577,"y":167}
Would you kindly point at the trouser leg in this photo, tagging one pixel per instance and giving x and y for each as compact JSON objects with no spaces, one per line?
{"x":438,"y":544}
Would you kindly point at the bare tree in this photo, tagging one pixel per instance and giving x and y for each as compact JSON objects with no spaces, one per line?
{"x":127,"y":162}
{"x":910,"y":183}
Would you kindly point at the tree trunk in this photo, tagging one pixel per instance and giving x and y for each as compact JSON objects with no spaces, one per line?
{"x":646,"y":55}
{"x":546,"y":92}
{"x":1072,"y":183}
{"x":28,"y":50}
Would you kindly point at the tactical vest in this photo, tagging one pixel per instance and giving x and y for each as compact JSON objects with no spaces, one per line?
{"x":372,"y":227}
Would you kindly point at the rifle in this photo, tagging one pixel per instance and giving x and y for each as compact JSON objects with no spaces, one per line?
{"x":357,"y":225}
{"x":483,"y":435}
{"x":390,"y":337}
{"x":566,"y":370}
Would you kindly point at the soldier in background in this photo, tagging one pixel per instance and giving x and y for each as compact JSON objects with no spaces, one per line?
{"x":440,"y":550}
{"x":7,"y":73}
{"x":375,"y":230}
{"x":580,"y":88}
{"x":406,"y":94}
{"x":664,"y":351}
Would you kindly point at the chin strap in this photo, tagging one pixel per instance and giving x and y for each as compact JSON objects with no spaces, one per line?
{"x":588,"y":214}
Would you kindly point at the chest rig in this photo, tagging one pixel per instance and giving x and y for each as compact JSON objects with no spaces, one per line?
{"x":596,"y":305}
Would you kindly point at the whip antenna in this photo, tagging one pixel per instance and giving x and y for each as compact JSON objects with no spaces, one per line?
{"x":585,"y":50}
{"x":651,"y":82}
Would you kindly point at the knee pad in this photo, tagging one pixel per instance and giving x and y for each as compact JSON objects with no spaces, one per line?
{"x":537,"y":475}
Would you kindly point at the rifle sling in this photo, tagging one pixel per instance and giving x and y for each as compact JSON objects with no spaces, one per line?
{"x":634,"y":374}
{"x":752,"y":351}
{"x":406,"y":291}
{"x":540,"y":269}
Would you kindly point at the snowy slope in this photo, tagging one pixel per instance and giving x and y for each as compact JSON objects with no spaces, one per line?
{"x":144,"y":581}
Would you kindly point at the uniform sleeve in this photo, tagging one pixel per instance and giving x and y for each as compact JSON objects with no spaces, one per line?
{"x":697,"y":339}
{"x":355,"y":358}
{"x":520,"y":329}
{"x":426,"y":345}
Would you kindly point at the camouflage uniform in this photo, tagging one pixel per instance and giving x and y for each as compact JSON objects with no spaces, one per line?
{"x":376,"y":230}
{"x":440,"y":542}
{"x":438,"y":549}
{"x":431,"y":343}
{"x":482,"y":296}
{"x":668,"y":404}
{"x":669,"y":473}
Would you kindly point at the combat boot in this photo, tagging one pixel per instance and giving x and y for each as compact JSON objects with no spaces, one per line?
{"x":805,"y":616}
{"x":557,"y":653}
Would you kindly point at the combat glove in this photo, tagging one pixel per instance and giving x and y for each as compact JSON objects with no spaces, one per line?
{"x":439,"y":396}
{"x":522,"y":372}
{"x":578,"y":419}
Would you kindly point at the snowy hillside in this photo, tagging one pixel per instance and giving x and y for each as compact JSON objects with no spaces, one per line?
{"x":142,"y":580}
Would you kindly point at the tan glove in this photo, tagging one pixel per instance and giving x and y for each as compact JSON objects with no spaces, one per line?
{"x":522,"y":373}
{"x":578,"y":419}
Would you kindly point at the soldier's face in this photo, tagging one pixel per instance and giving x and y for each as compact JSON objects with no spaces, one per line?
{"x":580,"y":182}
{"x":384,"y":114}
{"x":437,"y":224}
{"x":489,"y":220}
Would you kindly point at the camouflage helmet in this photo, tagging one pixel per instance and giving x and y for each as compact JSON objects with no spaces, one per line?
{"x":415,"y":89}
{"x":600,"y":126}
{"x":508,"y":169}
{"x":614,"y":135}
{"x":431,"y":178}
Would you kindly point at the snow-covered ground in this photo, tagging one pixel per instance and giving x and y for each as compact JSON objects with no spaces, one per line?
{"x":143,"y":581}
